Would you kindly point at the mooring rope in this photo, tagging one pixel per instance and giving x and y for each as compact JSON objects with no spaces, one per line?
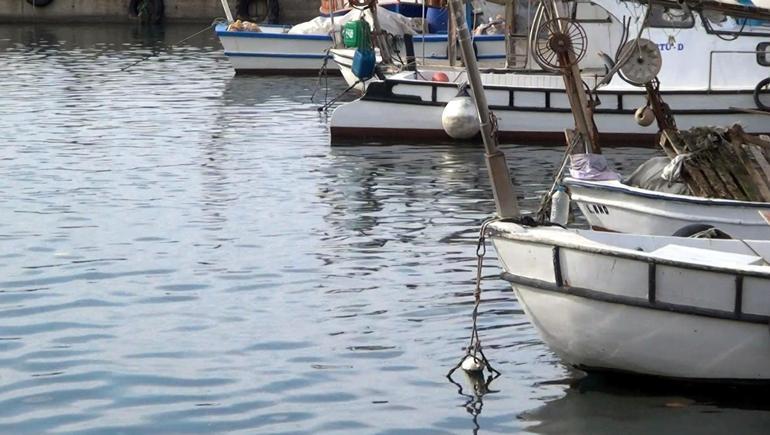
{"x":323,"y":76}
{"x":171,"y":47}
{"x":334,"y":100}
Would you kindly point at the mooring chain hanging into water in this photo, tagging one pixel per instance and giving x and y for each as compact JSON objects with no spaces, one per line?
{"x":474,"y":360}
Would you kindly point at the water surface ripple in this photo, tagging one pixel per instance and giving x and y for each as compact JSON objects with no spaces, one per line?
{"x":182,"y":252}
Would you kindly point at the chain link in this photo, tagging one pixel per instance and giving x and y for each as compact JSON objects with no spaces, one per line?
{"x":474,"y":348}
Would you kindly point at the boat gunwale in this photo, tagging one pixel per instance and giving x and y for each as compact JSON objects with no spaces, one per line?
{"x":278,"y":55}
{"x":268,"y":35}
{"x":636,"y":191}
{"x":626,"y":253}
{"x":382,"y":91}
{"x":640,"y":92}
{"x":610,"y":298}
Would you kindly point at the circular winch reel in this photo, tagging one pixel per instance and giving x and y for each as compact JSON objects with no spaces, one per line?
{"x":556,"y":38}
{"x":643,"y":61}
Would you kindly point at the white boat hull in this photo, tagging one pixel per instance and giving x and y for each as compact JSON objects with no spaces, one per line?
{"x":530,"y":108}
{"x":704,"y":79}
{"x":613,"y":206}
{"x":596,"y":335}
{"x":274,"y":52}
{"x":680,"y":308}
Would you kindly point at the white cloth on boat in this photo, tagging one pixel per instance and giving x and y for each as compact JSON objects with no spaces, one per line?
{"x":591,"y":167}
{"x":673,"y":171}
{"x":648,"y":176}
{"x":391,"y":22}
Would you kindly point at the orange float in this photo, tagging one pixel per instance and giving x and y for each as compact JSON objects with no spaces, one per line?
{"x":328,"y":5}
{"x":439,"y":77}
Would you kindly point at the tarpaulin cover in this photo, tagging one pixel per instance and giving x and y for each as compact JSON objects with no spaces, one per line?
{"x":391,"y":22}
{"x":592,"y":167}
{"x":649,"y":176}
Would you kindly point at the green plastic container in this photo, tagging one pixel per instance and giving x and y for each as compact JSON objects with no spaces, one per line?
{"x":356,"y":34}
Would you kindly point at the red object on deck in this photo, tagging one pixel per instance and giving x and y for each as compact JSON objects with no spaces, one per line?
{"x":440,"y":77}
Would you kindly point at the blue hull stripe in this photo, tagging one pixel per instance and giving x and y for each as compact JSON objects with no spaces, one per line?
{"x":221,"y":30}
{"x":481,"y":57}
{"x":276,"y":55}
{"x":443,"y":38}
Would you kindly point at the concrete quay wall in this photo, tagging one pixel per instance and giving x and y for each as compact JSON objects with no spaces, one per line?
{"x":116,"y":11}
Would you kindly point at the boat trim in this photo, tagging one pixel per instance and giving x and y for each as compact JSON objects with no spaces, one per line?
{"x":478,"y":57}
{"x":629,"y":190}
{"x":650,"y":303}
{"x":382,"y":91}
{"x":283,"y":72}
{"x":245,"y":34}
{"x":442,"y":37}
{"x":633,"y":255}
{"x":354,"y":136}
{"x":277,"y":55}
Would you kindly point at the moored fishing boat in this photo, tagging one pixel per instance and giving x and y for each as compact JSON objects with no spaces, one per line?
{"x":304,"y":49}
{"x":618,"y":207}
{"x":676,"y":307}
{"x":273,"y":50}
{"x":693,"y":309}
{"x":699,"y":82}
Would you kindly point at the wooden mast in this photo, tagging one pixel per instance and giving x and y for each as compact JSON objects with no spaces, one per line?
{"x":502,"y":187}
{"x":582,"y":111}
{"x":380,"y":37}
{"x":451,"y":49}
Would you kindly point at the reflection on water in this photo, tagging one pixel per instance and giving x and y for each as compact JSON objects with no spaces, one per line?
{"x":182,"y":251}
{"x":476,"y":386}
{"x":610,"y":404}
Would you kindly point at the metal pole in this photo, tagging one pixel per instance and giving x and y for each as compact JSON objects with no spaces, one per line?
{"x":502,"y":187}
{"x":510,"y":30}
{"x":424,"y":29}
{"x":332,"y":7}
{"x":451,"y":40}
{"x":228,"y":14}
{"x":379,"y":35}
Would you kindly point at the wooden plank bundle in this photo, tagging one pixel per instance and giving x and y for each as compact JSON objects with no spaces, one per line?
{"x":721,"y":163}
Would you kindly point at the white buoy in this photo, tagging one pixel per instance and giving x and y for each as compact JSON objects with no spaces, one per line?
{"x":472,"y":364}
{"x":644,"y":116}
{"x":560,"y":206}
{"x":460,"y":118}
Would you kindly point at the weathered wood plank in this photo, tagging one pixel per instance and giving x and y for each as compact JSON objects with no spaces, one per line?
{"x":756,"y":173}
{"x":728,"y":164}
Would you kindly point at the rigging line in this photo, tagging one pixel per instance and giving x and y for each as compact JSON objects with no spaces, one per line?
{"x":734,"y":35}
{"x":334,"y":100}
{"x":171,"y":47}
{"x":424,"y":31}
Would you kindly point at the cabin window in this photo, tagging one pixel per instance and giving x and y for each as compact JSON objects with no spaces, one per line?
{"x":670,"y":18}
{"x":721,"y":24}
{"x":763,"y":53}
{"x":584,"y":12}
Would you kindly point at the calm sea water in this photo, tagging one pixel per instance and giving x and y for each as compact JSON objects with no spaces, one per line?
{"x":181,"y":251}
